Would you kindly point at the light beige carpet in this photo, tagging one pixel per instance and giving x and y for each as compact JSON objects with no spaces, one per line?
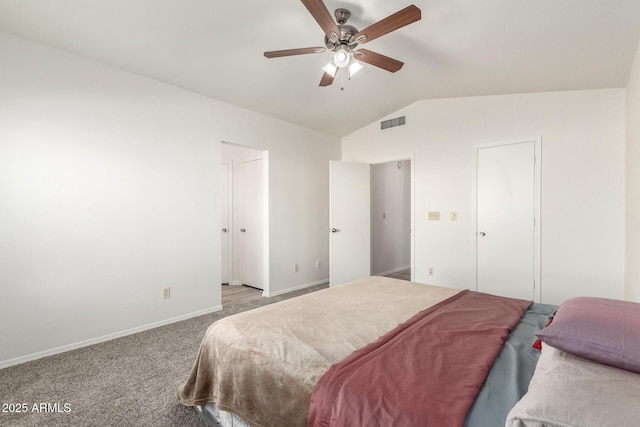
{"x":129,"y":381}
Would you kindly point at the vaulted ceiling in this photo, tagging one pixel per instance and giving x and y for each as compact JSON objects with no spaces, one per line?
{"x":458,"y":48}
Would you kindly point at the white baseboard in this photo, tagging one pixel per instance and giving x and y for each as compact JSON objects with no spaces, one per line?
{"x":394,"y":270}
{"x":108,"y":337}
{"x":284,"y":291}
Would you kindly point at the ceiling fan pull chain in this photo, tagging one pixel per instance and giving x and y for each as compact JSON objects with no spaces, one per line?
{"x":342,"y":78}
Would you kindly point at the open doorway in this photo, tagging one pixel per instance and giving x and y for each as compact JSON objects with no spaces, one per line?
{"x":245,"y":222}
{"x":391,"y":219}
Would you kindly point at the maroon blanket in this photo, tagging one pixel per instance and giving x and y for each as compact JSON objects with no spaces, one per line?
{"x":426,"y":372}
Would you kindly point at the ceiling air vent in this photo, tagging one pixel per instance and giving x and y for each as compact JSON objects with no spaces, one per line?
{"x":391,"y":123}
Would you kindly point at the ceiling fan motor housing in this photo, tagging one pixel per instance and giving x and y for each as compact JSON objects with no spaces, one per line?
{"x":347,"y":32}
{"x":342,"y":15}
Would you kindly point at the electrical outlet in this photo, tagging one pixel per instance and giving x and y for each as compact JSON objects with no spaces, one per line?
{"x":295,"y":268}
{"x":430,"y":271}
{"x":166,"y":293}
{"x":317,"y":263}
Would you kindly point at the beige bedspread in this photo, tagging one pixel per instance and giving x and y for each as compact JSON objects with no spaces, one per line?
{"x":263,"y":364}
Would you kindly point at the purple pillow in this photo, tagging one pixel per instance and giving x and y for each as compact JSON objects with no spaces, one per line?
{"x":599,"y":329}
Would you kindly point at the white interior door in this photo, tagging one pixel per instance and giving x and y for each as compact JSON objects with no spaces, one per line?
{"x":224,"y":220}
{"x":349,"y":221}
{"x":505,"y":220}
{"x":251,"y":195}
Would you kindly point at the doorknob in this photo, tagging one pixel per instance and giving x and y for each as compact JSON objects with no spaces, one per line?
{"x":334,"y":230}
{"x":224,"y":230}
{"x":482,"y":234}
{"x":242,"y":230}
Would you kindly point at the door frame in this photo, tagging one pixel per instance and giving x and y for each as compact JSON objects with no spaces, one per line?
{"x":537,"y":200}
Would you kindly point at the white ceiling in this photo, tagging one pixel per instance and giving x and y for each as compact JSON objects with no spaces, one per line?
{"x":459,"y":48}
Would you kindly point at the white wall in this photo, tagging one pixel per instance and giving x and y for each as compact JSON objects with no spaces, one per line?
{"x":391,"y":232}
{"x":632,"y":278}
{"x":582,"y":182}
{"x":109,"y":192}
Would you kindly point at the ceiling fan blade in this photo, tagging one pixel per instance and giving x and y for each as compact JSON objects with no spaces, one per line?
{"x":290,"y":52}
{"x":378,"y":60}
{"x":391,"y":23}
{"x":321,"y":14}
{"x":327,"y":79}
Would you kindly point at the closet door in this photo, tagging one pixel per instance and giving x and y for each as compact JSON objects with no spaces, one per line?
{"x":225,"y":186}
{"x":505,"y":220}
{"x":251,"y":225}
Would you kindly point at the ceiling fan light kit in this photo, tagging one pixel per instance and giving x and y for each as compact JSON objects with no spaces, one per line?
{"x":330,"y":69}
{"x":342,"y":57}
{"x":343,"y":39}
{"x":354,"y":67}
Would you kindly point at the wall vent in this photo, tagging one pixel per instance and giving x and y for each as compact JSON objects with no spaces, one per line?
{"x":391,"y":123}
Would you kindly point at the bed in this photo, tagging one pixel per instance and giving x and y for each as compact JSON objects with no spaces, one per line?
{"x":369,"y":352}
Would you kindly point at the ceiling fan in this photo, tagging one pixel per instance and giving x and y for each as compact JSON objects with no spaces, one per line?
{"x":343,"y":39}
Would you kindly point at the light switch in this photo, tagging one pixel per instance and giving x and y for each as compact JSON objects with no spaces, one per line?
{"x":434,"y":216}
{"x":454,"y":216}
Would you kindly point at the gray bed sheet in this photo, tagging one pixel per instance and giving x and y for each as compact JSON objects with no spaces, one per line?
{"x":509,"y":377}
{"x":506,"y":383}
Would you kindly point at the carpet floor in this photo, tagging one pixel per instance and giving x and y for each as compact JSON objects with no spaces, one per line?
{"x":129,"y":381}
